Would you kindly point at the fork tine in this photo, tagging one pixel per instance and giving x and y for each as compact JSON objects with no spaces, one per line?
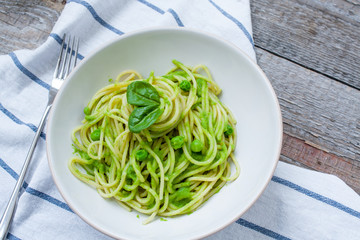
{"x":62,"y":70}
{"x":56,"y":72}
{"x":69,"y":48}
{"x":76,"y":52}
{"x":70,"y":57}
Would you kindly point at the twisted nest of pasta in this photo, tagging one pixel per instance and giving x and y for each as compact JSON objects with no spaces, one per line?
{"x":170,"y":176}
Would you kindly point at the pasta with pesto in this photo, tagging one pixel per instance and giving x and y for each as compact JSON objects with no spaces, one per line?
{"x":161,"y":145}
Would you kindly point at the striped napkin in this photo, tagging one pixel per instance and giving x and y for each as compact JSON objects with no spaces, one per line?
{"x":297,"y":204}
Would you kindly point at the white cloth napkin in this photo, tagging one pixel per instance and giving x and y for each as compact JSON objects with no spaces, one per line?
{"x":297,"y":204}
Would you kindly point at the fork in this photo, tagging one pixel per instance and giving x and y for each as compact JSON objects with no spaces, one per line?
{"x":65,"y":63}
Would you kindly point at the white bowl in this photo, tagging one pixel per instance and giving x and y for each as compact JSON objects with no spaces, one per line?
{"x":246,"y":91}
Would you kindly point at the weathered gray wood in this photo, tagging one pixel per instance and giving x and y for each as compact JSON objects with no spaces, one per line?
{"x":317,"y":34}
{"x":314,"y":107}
{"x":26,"y":24}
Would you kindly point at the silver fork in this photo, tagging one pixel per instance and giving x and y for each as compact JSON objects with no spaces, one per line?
{"x":65,"y":63}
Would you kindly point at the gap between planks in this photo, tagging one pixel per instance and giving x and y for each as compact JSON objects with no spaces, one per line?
{"x":320,"y":35}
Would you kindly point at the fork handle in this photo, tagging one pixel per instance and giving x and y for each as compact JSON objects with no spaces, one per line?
{"x":11,"y":206}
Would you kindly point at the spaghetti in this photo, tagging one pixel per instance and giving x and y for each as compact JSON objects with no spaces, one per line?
{"x":161,"y":145}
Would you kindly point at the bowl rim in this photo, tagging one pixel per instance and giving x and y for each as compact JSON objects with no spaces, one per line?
{"x":147,"y":30}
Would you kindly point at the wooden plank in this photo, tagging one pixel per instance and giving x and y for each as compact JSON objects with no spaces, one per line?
{"x":26,"y":24}
{"x":317,"y":34}
{"x":314,"y":107}
{"x":312,"y":157}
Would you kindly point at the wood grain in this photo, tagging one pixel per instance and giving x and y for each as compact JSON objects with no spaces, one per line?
{"x":320,"y":35}
{"x":313,"y":157}
{"x":26,"y":24}
{"x":314,"y":107}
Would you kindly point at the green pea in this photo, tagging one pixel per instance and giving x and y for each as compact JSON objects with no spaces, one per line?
{"x":95,"y":135}
{"x":87,"y":111}
{"x":185,"y":85}
{"x":196,"y":146}
{"x":177,"y":142}
{"x":228,"y":130}
{"x":89,"y":117}
{"x":141,"y":155}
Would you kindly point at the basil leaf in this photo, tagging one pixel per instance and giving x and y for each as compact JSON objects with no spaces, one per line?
{"x":141,"y":94}
{"x":143,"y":117}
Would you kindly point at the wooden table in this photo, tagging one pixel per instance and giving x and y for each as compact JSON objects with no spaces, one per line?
{"x":310,"y":51}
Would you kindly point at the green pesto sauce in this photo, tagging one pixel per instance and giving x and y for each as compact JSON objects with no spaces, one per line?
{"x":204,"y":118}
{"x":131,"y":173}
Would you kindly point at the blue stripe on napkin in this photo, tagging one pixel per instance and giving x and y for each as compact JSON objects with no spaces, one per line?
{"x":33,"y":191}
{"x":96,"y":16}
{"x":18,"y":121}
{"x":159,"y":10}
{"x":152,"y":6}
{"x":316,"y":196}
{"x":177,"y":19}
{"x":237,"y":22}
{"x":27,"y":72}
{"x":12,"y":237}
{"x":10,"y":171}
{"x":48,"y":198}
{"x":262,"y":230}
